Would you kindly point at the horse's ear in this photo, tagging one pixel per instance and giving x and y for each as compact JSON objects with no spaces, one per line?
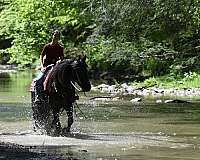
{"x":79,"y":57}
{"x":84,"y":58}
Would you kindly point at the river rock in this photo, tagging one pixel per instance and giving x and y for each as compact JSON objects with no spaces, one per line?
{"x":175,"y":101}
{"x":136,"y":100}
{"x":125,"y":89}
{"x":111,"y":89}
{"x":158,"y":101}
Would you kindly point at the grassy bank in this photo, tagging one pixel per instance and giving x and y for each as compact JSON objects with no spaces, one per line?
{"x":188,"y":80}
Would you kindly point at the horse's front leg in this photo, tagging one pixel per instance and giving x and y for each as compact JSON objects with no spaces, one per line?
{"x":69,"y":111}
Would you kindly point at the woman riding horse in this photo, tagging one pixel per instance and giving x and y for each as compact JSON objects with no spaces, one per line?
{"x":51,"y":53}
{"x":60,"y":91}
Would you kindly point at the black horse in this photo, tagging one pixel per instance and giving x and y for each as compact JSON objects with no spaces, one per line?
{"x":60,"y":94}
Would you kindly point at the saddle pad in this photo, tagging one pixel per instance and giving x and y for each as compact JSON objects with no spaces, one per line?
{"x":48,"y":71}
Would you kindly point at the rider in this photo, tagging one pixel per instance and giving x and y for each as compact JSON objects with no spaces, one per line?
{"x":51,"y":53}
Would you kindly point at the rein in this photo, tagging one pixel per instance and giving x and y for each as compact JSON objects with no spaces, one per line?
{"x":76,"y":105}
{"x":75,"y":86}
{"x":78,"y":79}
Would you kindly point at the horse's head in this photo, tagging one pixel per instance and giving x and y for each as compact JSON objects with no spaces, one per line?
{"x":80,"y":74}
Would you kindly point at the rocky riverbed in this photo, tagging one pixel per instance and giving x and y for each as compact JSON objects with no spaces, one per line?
{"x":130,"y":90}
{"x":116,"y":91}
{"x":8,"y":68}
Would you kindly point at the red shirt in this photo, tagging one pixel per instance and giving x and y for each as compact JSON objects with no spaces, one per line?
{"x":52,"y":53}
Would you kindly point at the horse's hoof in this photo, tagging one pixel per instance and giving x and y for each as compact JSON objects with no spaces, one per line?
{"x":53,"y":133}
{"x":65,"y":131}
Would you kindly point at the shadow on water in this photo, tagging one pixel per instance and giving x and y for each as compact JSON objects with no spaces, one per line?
{"x":187,"y":112}
{"x":10,"y":151}
{"x":79,"y":136}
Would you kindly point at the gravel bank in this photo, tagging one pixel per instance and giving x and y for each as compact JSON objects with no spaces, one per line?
{"x":8,"y":68}
{"x":125,"y":89}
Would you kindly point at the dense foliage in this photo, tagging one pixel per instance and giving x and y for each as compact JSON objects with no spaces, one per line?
{"x":138,"y":38}
{"x":30,"y":23}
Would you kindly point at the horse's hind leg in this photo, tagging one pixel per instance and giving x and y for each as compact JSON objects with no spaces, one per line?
{"x":56,"y":125}
{"x":69,"y":111}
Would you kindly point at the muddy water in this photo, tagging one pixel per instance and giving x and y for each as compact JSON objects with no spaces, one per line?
{"x":104,"y":130}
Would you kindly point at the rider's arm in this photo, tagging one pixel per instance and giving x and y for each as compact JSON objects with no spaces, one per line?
{"x":43,"y":55}
{"x":62,"y":55}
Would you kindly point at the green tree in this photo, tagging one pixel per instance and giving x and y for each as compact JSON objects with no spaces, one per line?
{"x":160,"y":33}
{"x":125,"y":36}
{"x":31,"y":22}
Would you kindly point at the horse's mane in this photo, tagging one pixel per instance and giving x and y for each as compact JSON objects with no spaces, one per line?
{"x":59,"y":77}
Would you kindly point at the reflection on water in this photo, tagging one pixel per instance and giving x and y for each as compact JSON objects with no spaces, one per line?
{"x":105,"y":130}
{"x":5,"y":82}
{"x":14,"y":86}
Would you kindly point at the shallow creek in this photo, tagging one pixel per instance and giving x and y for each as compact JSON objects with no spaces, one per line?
{"x":103,"y":130}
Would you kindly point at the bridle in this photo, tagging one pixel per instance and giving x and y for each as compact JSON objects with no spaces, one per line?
{"x":76,"y":88}
{"x":75,"y":74}
{"x":76,"y":78}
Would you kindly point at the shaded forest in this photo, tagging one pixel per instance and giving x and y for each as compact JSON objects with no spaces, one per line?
{"x":125,"y":39}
